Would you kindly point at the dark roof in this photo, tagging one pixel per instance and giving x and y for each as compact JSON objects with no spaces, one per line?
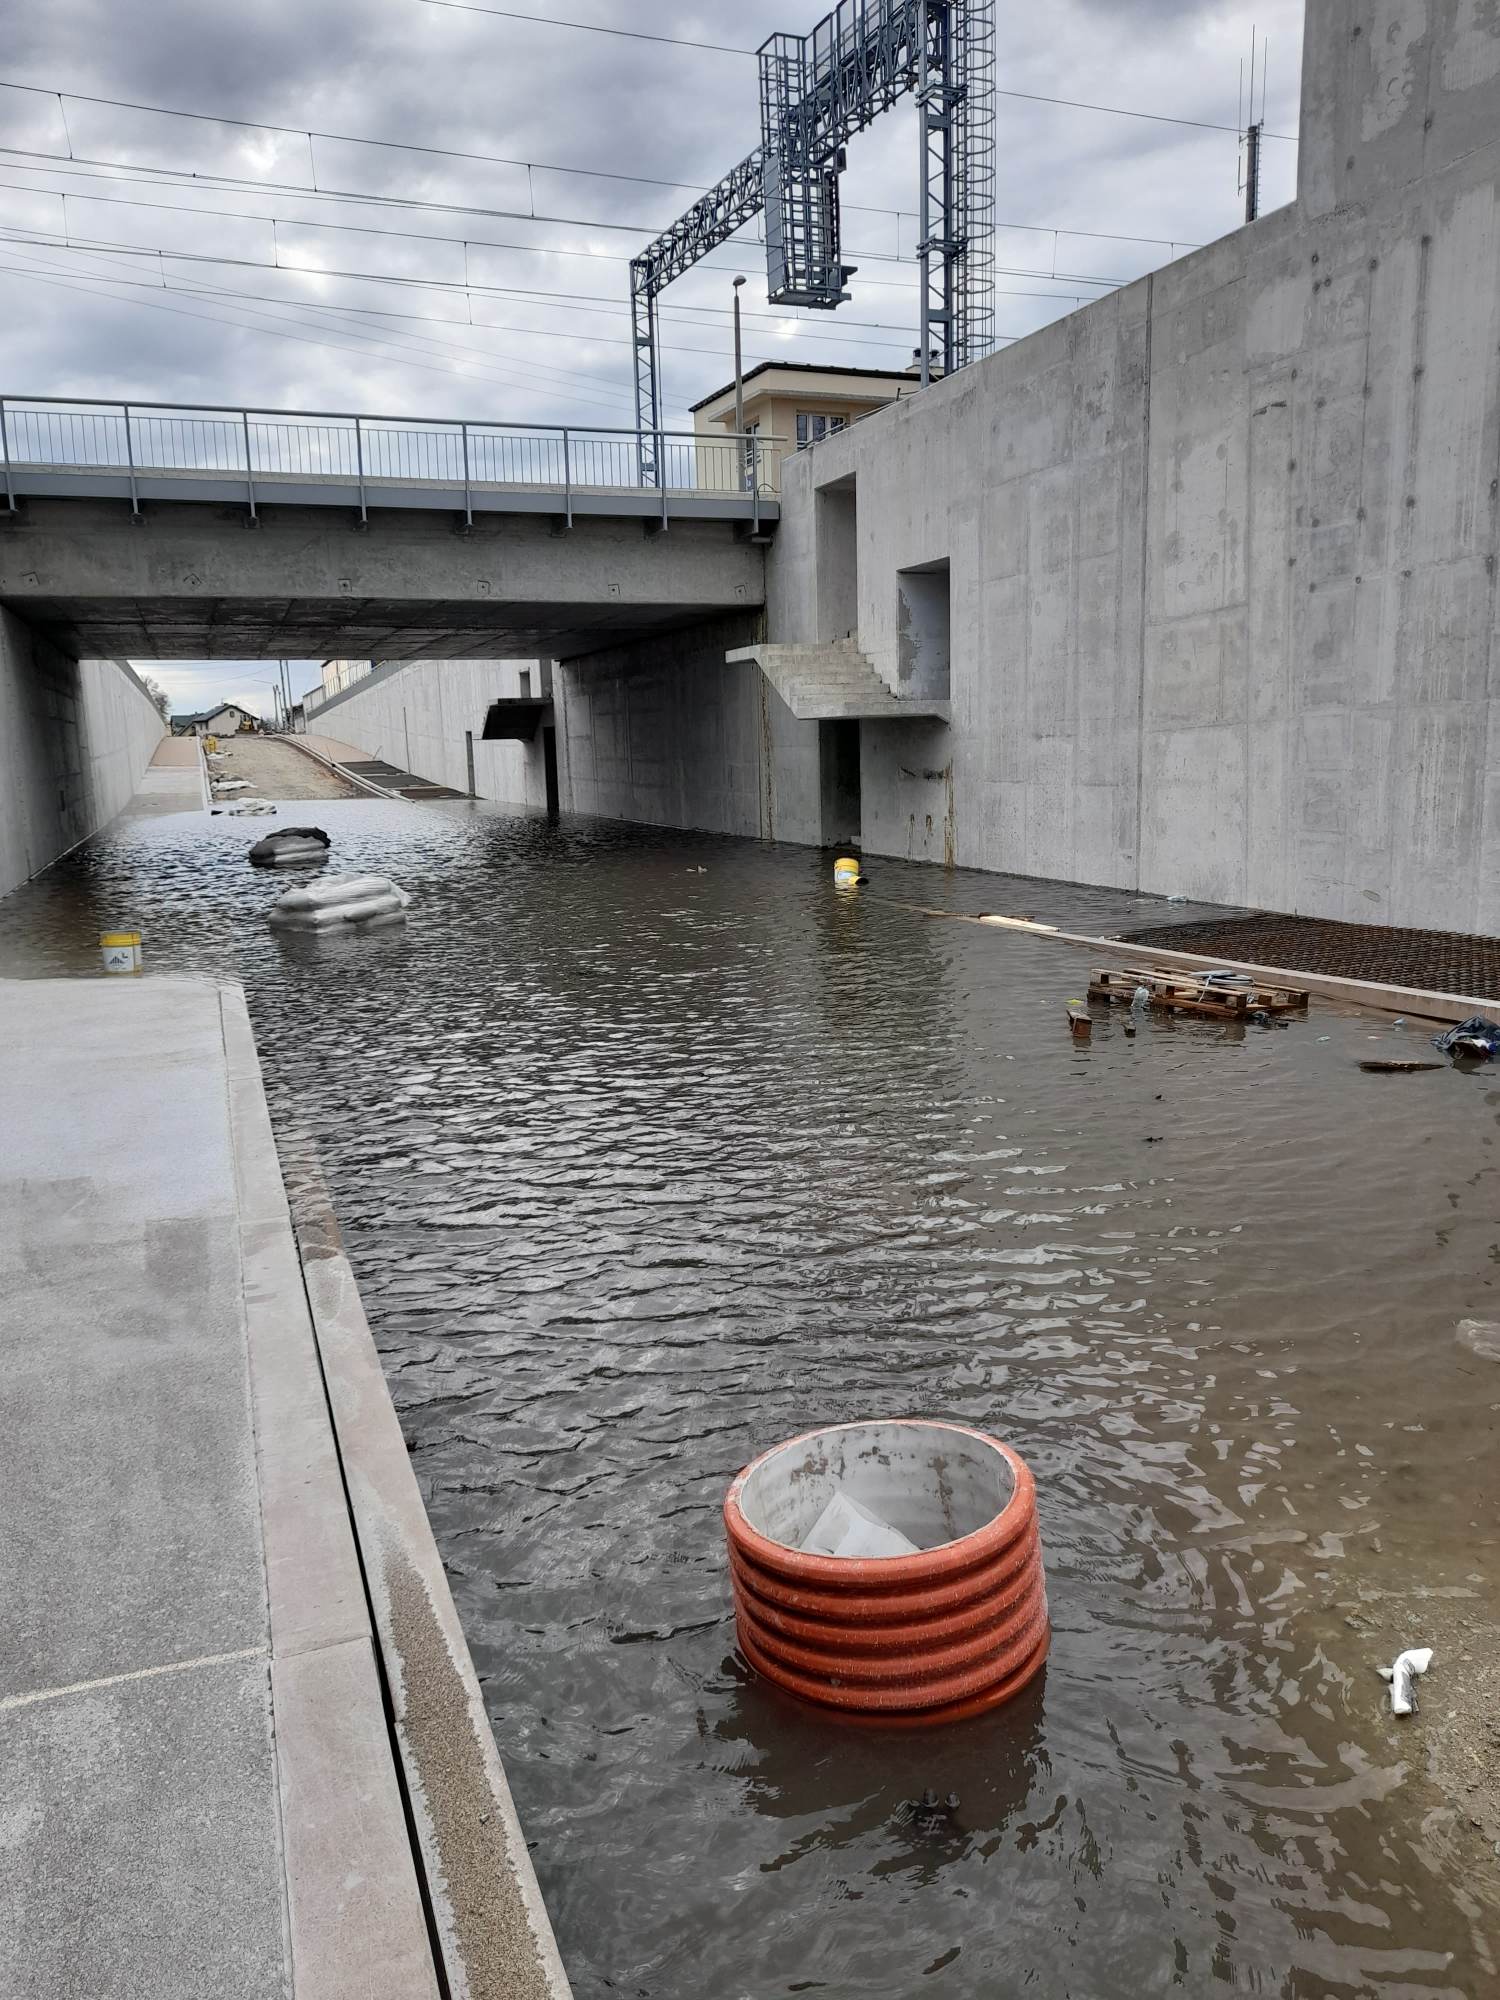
{"x":808,"y":368}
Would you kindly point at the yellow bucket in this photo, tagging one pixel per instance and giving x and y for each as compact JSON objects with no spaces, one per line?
{"x":845,"y":872}
{"x":120,"y":951}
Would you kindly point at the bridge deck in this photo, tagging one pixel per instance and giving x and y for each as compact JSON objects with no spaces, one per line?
{"x":443,"y":495}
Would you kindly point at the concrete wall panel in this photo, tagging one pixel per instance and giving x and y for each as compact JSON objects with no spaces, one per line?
{"x":416,"y":718}
{"x":1229,"y":625}
{"x":667,"y":733}
{"x":75,"y":739}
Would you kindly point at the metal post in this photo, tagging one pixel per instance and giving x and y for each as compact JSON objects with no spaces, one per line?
{"x":924,"y":210}
{"x":1252,"y":172}
{"x":567,"y":477}
{"x":359,"y":462}
{"x":643,"y":289}
{"x":249,"y":464}
{"x":469,"y":754}
{"x":135,"y":502}
{"x":10,"y":484}
{"x":468,"y":498}
{"x":755,"y":484}
{"x":739,"y":392}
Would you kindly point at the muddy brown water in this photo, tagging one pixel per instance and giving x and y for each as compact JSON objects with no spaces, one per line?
{"x":643,"y":1169}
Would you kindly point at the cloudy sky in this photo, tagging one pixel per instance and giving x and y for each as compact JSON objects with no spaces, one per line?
{"x":265,"y":253}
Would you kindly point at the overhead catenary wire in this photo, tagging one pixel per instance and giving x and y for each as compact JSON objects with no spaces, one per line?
{"x":193,"y":209}
{"x":688,"y":312}
{"x":515,"y":371}
{"x":550,"y":334}
{"x":132,"y":174}
{"x":512,"y":375}
{"x":312,"y":133}
{"x":728,"y":49}
{"x":790,"y":326}
{"x":55,"y":242}
{"x":465,"y":242}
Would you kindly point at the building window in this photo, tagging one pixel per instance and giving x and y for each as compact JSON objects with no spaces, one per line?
{"x":815,"y":425}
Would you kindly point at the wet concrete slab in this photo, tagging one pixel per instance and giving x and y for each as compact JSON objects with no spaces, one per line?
{"x":202,"y":1794}
{"x":140,"y":1843}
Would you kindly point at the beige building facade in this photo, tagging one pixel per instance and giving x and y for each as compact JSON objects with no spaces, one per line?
{"x":790,"y":406}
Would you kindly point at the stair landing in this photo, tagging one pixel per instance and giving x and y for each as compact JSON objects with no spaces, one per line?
{"x":834,"y":683}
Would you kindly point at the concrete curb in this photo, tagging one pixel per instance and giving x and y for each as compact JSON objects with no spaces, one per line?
{"x":354,"y":1913}
{"x":494,"y":1933}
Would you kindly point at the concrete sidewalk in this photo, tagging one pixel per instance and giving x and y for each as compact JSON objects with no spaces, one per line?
{"x":201,"y":1793}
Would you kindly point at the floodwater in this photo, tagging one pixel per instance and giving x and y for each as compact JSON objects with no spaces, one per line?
{"x":650,"y":1151}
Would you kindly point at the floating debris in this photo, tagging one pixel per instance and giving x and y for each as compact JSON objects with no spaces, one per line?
{"x":1395,"y":1065}
{"x":1223,"y":994}
{"x":1476,"y":1038}
{"x":1481,"y":1337}
{"x":1408,"y":1665}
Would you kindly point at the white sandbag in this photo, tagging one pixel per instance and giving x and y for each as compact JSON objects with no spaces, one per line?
{"x":349,"y":916}
{"x":231,"y":784}
{"x":845,"y":1528}
{"x":329,"y":890}
{"x":252,"y":806}
{"x":340,"y":899}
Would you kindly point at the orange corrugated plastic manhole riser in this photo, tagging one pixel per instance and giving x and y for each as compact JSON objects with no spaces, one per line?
{"x":933,"y":1637}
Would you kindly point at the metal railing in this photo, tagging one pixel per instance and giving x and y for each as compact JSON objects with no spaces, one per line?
{"x":141,"y":440}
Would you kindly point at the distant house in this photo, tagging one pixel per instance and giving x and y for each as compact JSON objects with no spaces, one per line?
{"x":227,"y":719}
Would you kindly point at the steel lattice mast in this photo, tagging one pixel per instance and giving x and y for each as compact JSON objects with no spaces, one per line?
{"x":816,"y":91}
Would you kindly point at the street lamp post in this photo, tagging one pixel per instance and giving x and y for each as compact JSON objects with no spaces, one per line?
{"x":739,"y":388}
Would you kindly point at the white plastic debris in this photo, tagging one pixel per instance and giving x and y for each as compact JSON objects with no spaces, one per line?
{"x":242,"y":806}
{"x":845,"y":1528}
{"x":231,"y":784}
{"x":1140,"y":1000}
{"x":1481,"y":1337}
{"x":338,"y":900}
{"x":1408,"y":1665}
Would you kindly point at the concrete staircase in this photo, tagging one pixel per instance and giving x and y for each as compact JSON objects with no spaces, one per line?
{"x":387,"y":778}
{"x":832,"y":683}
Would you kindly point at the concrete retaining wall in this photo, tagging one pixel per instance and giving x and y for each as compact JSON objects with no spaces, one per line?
{"x":415,"y":716}
{"x":75,"y":738}
{"x":1222,"y":547}
{"x":664,"y":731}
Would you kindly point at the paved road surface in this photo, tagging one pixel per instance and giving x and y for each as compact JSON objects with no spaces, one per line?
{"x":277,"y":770}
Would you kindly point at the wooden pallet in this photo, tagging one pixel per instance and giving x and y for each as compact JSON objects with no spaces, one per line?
{"x":1192,"y":992}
